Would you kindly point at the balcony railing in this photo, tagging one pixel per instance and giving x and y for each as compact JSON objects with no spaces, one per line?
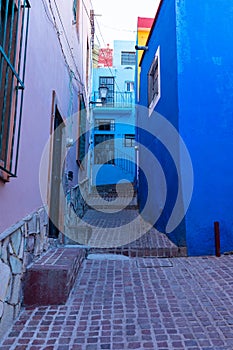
{"x":123,"y":99}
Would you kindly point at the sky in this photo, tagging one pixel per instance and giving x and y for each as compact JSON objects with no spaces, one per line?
{"x":117,"y":20}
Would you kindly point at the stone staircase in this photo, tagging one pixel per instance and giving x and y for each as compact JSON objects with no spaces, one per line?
{"x":120,"y":196}
{"x":112,"y":224}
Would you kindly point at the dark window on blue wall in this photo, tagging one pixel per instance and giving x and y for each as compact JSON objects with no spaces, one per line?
{"x":129,"y":140}
{"x":129,"y":86}
{"x":154,"y":81}
{"x":109,"y":82}
{"x":104,"y":149}
{"x":154,"y":89}
{"x":13,"y":37}
{"x":128,"y":58}
{"x":105,"y":124}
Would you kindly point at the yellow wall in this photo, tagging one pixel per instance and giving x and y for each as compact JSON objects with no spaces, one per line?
{"x":142,"y":36}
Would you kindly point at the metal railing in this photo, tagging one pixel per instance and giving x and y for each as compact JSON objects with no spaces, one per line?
{"x":124,"y":99}
{"x":124,"y":161}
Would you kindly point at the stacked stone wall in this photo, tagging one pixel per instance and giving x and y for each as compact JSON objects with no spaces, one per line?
{"x":19,"y":246}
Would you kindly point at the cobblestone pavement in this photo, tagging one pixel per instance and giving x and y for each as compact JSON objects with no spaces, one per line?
{"x":125,"y":232}
{"x":124,"y":227}
{"x":139,"y":303}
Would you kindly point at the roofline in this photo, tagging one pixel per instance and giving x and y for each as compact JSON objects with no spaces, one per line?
{"x":152,"y":28}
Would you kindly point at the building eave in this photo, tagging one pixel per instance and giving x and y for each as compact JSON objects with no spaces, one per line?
{"x":152,"y":28}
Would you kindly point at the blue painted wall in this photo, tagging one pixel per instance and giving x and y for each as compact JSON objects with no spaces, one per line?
{"x":196,"y":44}
{"x":124,"y":119}
{"x":205,"y":68}
{"x":163,"y":35}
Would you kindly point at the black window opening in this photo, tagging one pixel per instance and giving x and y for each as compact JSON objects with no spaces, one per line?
{"x":105,"y":124}
{"x":13,"y":47}
{"x":128,"y":58}
{"x":153,"y":81}
{"x":56,"y":176}
{"x":108,"y":82}
{"x":104,"y":149}
{"x":129,"y":140}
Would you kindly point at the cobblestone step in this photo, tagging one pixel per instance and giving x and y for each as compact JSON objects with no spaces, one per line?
{"x":123,"y":233}
{"x":49,"y":280}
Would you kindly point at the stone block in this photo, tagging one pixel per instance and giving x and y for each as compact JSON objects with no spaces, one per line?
{"x":16,"y":265}
{"x":16,"y":289}
{"x":30,"y":243}
{"x":32,"y":224}
{"x":27,"y":260}
{"x":16,"y":239}
{"x":43,"y":217}
{"x":21,"y":249}
{"x":10,"y":248}
{"x":4,"y":255}
{"x":7,"y":319}
{"x":9,"y":289}
{"x":5,"y":276}
{"x":49,"y":280}
{"x":38,"y":245}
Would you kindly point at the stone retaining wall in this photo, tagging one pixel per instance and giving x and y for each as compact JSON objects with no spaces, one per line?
{"x":19,"y":245}
{"x":75,"y":208}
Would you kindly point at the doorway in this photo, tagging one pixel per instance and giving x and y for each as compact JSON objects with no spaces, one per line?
{"x":56,"y":176}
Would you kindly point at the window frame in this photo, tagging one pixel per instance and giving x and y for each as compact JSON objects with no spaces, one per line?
{"x":126,"y":61}
{"x":108,"y":141}
{"x":109,"y":82}
{"x":130,"y":84}
{"x":131,"y":138}
{"x":110,"y":122}
{"x":13,"y":65}
{"x":154,"y":96}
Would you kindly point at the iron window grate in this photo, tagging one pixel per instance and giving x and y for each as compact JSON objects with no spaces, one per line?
{"x":13,"y":40}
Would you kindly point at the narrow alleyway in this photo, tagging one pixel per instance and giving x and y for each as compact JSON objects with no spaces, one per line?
{"x":136,"y":303}
{"x":114,"y":225}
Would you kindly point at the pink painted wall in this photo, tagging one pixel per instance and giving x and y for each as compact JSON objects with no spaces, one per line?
{"x":46,"y":71}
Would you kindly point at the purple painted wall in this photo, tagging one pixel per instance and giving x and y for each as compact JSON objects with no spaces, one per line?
{"x":45,"y":71}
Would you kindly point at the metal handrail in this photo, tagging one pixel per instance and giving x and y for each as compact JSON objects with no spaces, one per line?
{"x":124,"y":99}
{"x":124,"y":161}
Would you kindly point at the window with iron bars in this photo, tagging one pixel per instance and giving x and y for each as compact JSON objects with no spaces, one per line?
{"x":109,"y":82}
{"x":154,"y":82}
{"x":13,"y":45}
{"x":105,"y":124}
{"x":128,"y":58}
{"x":129,"y":140}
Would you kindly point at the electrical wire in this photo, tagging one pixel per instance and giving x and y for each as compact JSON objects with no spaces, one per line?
{"x":61,"y":45}
{"x":46,"y":11}
{"x":67,"y":40}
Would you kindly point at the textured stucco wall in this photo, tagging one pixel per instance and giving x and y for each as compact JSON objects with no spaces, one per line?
{"x":196,"y":97}
{"x":153,"y":183}
{"x":205,"y":68}
{"x":46,"y":70}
